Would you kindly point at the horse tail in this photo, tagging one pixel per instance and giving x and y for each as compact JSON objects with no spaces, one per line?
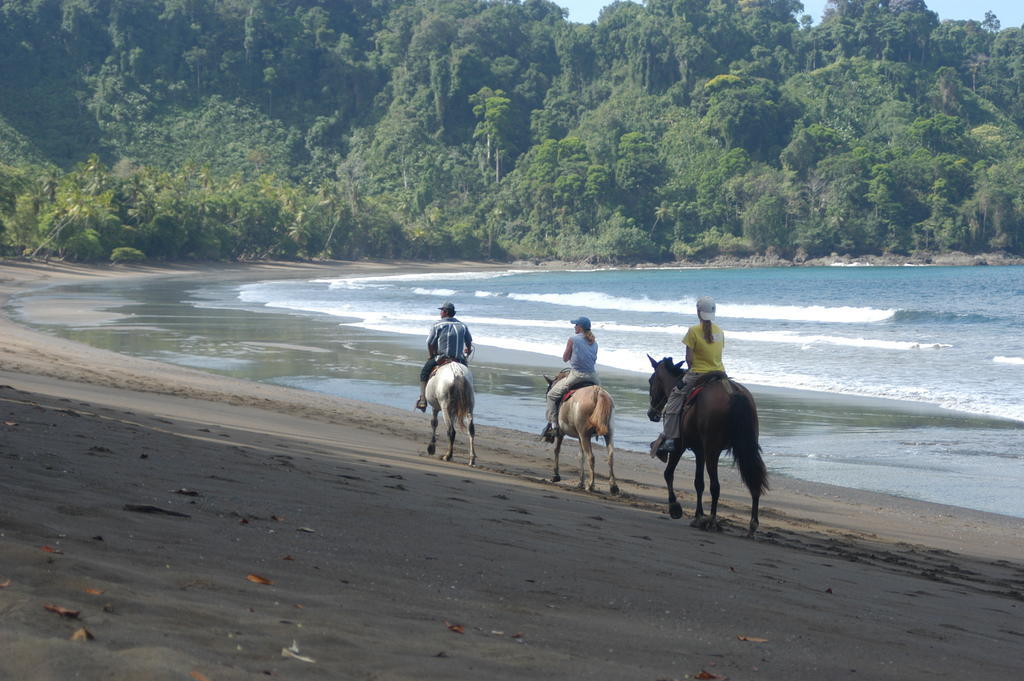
{"x":746,"y":452}
{"x":462,"y":400}
{"x":601,"y":415}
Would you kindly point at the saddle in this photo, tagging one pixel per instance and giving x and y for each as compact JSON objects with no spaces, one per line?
{"x":704,"y":381}
{"x":440,"y":363}
{"x":569,"y":393}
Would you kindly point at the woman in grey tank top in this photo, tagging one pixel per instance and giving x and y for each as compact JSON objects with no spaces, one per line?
{"x":581,"y":354}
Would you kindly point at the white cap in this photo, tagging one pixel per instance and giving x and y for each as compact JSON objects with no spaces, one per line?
{"x":706,"y":309}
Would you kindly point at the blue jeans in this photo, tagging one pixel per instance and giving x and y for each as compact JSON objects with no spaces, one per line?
{"x":431,"y":363}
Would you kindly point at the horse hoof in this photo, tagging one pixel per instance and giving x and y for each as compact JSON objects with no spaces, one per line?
{"x":430,"y":450}
{"x":447,"y":457}
{"x":698,"y":522}
{"x":676,"y":511}
{"x":556,"y":478}
{"x":614,"y":489}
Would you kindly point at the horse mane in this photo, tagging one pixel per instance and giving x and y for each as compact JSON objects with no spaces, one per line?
{"x":671,"y":367}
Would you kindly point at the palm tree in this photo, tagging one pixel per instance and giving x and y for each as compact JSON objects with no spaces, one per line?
{"x":662,"y":212}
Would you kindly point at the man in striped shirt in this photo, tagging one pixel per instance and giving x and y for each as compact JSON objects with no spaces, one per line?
{"x":448,"y":338}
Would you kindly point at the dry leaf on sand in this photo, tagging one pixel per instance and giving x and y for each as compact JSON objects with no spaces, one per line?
{"x":293,"y":652}
{"x":752,"y":639}
{"x":457,"y":628}
{"x":4,"y":584}
{"x":708,"y":675}
{"x":50,"y":549}
{"x":63,"y":612}
{"x":82,"y":634}
{"x":94,"y":592}
{"x":257,"y":579}
{"x":199,"y":676}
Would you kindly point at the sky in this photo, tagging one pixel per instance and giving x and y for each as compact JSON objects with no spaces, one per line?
{"x":1009,"y":12}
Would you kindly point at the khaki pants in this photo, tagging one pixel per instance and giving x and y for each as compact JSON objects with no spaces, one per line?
{"x":671,"y":415}
{"x":562,"y":386}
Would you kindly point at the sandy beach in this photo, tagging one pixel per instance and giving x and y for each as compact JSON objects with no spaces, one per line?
{"x":160,"y":522}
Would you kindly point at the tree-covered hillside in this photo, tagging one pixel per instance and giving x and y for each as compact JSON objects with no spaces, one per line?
{"x":435,"y":129}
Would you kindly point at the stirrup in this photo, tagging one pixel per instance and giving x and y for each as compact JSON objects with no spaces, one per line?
{"x":662,"y":447}
{"x":549,"y":433}
{"x":421,"y":404}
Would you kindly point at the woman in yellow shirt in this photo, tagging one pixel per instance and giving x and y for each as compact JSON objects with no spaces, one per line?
{"x":704,"y":344}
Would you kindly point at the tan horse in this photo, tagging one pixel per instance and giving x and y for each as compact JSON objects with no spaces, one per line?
{"x":585,"y":414}
{"x":450,"y":393}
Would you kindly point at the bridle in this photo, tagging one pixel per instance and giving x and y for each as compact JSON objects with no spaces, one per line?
{"x":654,"y":413}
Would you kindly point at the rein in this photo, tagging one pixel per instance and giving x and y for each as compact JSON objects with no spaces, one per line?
{"x":664,"y":400}
{"x":661,"y":404}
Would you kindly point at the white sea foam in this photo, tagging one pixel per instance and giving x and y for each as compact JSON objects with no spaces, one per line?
{"x":855,"y":362}
{"x":396,"y":321}
{"x":595,"y":300}
{"x":365,"y":282}
{"x":810,"y":340}
{"x":678,"y":331}
{"x":813,"y":313}
{"x":523,"y":323}
{"x":437,"y":292}
{"x":953,"y":400}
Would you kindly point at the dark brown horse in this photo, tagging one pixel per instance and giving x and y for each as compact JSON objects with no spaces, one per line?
{"x":721,"y":416}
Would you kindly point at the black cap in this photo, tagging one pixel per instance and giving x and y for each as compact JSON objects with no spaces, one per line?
{"x":448,"y":307}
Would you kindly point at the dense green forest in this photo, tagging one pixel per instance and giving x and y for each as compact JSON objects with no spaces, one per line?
{"x":177,"y":129}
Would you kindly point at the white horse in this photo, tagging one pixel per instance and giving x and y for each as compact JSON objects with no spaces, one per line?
{"x":450,"y":392}
{"x":587,"y":413}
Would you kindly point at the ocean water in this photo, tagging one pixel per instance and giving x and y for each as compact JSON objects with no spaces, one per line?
{"x":905,"y":380}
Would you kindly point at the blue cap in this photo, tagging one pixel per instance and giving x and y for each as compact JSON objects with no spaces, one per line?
{"x":582,"y":321}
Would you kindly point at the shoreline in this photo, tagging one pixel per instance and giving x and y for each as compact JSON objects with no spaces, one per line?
{"x":798,"y":424}
{"x":85,"y":312}
{"x":401,"y":545}
{"x":181,"y":380}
